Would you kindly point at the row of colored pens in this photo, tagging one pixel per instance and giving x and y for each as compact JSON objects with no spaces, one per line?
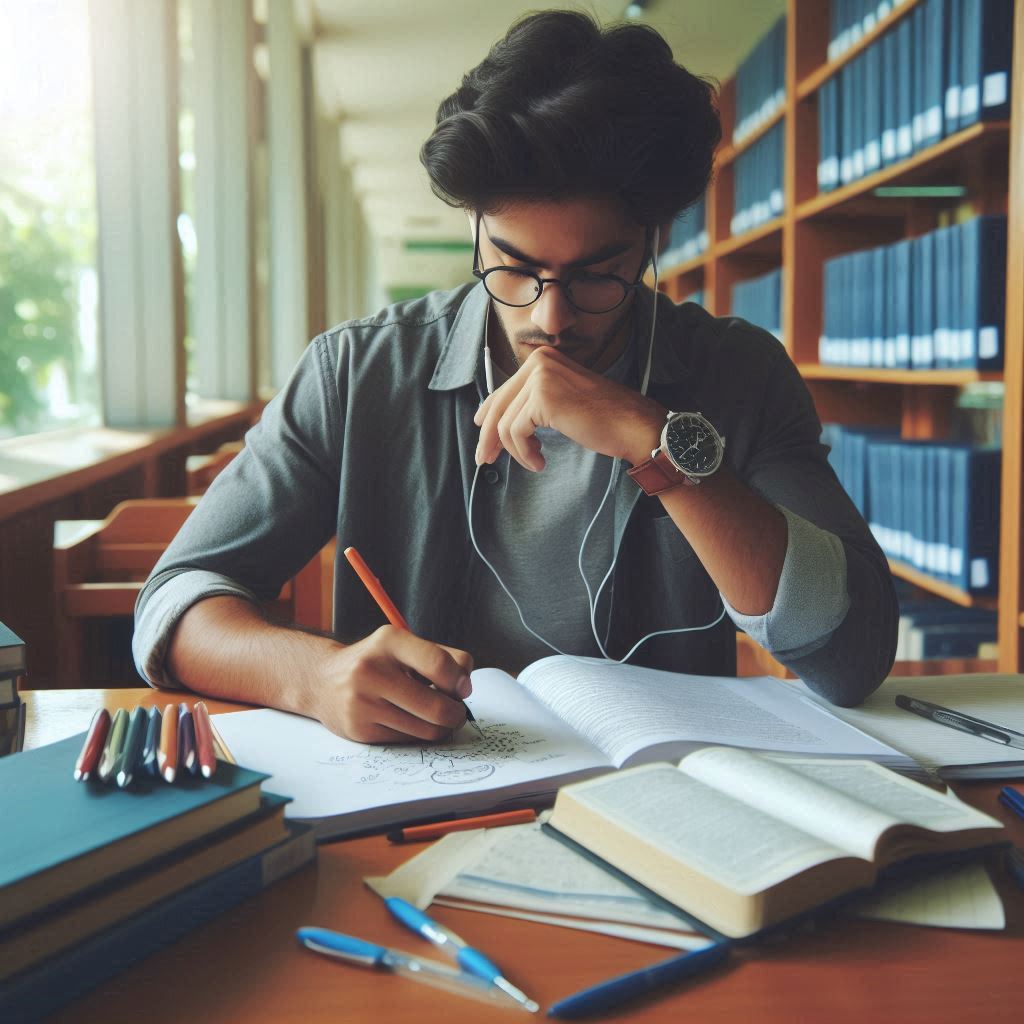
{"x":178,"y":741}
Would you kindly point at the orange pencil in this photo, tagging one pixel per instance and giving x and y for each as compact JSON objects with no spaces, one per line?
{"x":376,"y":589}
{"x":389,"y":608}
{"x":204,"y":739}
{"x":93,"y":746}
{"x":420,"y":833}
{"x":167,"y":755}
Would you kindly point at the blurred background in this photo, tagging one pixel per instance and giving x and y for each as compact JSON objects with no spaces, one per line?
{"x":192,"y":189}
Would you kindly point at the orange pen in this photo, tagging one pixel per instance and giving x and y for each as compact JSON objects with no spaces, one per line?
{"x":93,"y":746}
{"x":389,"y":608}
{"x":167,"y":755}
{"x":204,"y":739}
{"x":420,"y":833}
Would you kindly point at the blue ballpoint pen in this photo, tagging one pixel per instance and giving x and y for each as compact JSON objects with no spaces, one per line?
{"x":468,"y":958}
{"x":369,"y":954}
{"x":614,"y":992}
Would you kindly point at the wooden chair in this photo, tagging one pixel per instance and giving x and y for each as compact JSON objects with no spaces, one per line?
{"x":201,"y":469}
{"x":99,"y":567}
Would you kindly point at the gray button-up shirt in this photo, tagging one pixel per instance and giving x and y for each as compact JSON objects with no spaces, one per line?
{"x":372,"y":440}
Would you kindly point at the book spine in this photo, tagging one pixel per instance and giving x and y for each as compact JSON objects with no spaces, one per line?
{"x":41,"y":990}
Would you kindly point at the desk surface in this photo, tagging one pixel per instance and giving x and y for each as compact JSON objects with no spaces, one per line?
{"x":245,"y":965}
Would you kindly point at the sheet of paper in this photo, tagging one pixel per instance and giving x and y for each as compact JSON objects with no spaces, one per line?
{"x":994,"y":698}
{"x":427,"y":872}
{"x":327,"y":775}
{"x":525,"y":868}
{"x":653,"y":936}
{"x":624,"y":708}
{"x":961,"y":897}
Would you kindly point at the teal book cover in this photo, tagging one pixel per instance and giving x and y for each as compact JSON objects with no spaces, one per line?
{"x":60,"y":835}
{"x":12,"y":652}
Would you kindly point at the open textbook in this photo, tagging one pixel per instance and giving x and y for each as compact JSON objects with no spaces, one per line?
{"x":744,"y":841}
{"x":561,"y":721}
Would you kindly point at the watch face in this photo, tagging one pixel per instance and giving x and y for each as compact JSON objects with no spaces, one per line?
{"x":693,"y":445}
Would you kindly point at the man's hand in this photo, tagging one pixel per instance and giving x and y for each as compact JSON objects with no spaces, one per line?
{"x":393,"y":687}
{"x":551,"y":390}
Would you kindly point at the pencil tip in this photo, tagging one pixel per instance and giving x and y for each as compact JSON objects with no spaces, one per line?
{"x":168,"y":774}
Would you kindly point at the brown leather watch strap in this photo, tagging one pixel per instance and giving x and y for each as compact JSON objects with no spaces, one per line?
{"x":658,"y":474}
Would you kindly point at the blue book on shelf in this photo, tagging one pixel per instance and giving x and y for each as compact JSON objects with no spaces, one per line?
{"x":943,"y":511}
{"x":986,"y":33}
{"x":953,"y":56}
{"x":924,"y":301}
{"x":890,"y":98}
{"x":932,"y":78}
{"x":879,"y":298}
{"x":982,"y":292}
{"x":846,"y":110}
{"x":919,"y":58}
{"x":43,"y":989}
{"x":905,"y":88}
{"x":873,"y":81}
{"x":903,"y":286}
{"x":931,"y":508}
{"x":878,"y":494}
{"x":943,"y":246}
{"x":954,"y":282}
{"x":927,"y":643}
{"x":974,"y":549}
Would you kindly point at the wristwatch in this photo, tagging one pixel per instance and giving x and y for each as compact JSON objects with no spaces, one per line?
{"x":691,"y":449}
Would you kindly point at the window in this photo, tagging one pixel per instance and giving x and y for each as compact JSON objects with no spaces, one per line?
{"x":49,"y":375}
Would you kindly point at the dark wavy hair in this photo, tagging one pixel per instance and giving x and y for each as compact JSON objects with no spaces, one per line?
{"x":562,"y":108}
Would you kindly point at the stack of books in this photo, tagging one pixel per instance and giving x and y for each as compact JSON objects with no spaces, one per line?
{"x":93,"y":879}
{"x":12,"y":710}
{"x":759,"y":196}
{"x":759,"y":300}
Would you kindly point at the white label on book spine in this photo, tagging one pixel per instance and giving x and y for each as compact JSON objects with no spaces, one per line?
{"x":979,"y":573}
{"x":993,"y":89}
{"x":927,"y":350}
{"x":953,"y":102}
{"x":776,"y":200}
{"x":943,"y":558}
{"x":833,"y":169}
{"x":988,"y":343}
{"x":858,"y":163}
{"x":904,"y":140}
{"x":968,"y":100}
{"x":872,"y":155}
{"x":902,"y":349}
{"x":967,"y":344}
{"x":907,"y":546}
{"x":956,"y":561}
{"x":918,"y":558}
{"x":933,"y":122}
{"x":884,"y":7}
{"x":917,"y":127}
{"x":868,"y":22}
{"x":941,"y":342}
{"x":889,"y":144}
{"x":845,"y":169}
{"x":877,"y":352}
{"x":889,"y":353}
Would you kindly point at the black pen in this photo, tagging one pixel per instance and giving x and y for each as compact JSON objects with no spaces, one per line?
{"x":958,"y":720}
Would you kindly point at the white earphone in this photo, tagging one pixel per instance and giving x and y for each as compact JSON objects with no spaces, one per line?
{"x":592,"y":600}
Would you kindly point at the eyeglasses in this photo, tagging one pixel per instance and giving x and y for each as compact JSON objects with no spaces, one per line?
{"x":586,"y":293}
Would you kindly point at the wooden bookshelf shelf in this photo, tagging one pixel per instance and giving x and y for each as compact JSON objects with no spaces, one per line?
{"x":986,"y":162}
{"x":810,"y":83}
{"x":765,"y":240}
{"x":677,"y":270}
{"x":939,"y":587}
{"x":728,"y":152}
{"x":867,"y":375}
{"x":952,"y":158}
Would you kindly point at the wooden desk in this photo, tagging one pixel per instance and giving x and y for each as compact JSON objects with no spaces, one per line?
{"x":246,"y":965}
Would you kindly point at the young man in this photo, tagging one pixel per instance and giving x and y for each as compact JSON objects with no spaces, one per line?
{"x":495,"y":450}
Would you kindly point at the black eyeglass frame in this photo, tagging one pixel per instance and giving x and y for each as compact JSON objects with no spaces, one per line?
{"x":627,"y":287}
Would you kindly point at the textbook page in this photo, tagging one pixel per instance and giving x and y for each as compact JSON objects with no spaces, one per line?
{"x":525,"y":751}
{"x":708,"y":831}
{"x":848,"y":803}
{"x":994,"y":698}
{"x":637,"y":714}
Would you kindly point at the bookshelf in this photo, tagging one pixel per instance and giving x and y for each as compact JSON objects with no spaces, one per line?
{"x":987,"y":159}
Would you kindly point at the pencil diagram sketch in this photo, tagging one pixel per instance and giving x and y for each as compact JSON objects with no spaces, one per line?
{"x":459,"y":762}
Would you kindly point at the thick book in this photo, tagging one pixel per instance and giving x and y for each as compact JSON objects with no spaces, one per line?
{"x":743,"y":842}
{"x":61,"y":979}
{"x":71,"y":835}
{"x":12,"y":653}
{"x":563,"y":719}
{"x":31,"y":940}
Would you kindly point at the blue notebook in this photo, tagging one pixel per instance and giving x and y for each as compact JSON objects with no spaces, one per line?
{"x":61,"y":836}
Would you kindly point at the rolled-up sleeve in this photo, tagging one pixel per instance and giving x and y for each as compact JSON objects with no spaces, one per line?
{"x":835,"y":616}
{"x":262,"y":519}
{"x":812,"y":598}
